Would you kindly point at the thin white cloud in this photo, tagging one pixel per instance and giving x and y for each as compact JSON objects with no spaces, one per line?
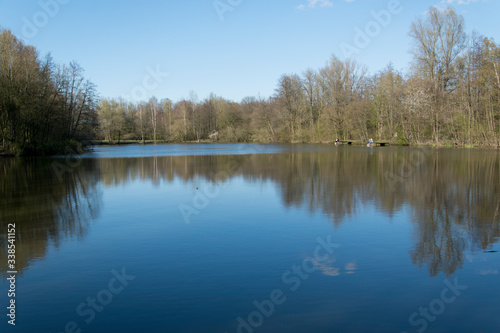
{"x":459,"y":2}
{"x":446,"y":3}
{"x":316,"y":3}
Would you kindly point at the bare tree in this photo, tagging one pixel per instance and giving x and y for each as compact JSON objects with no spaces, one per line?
{"x":153,"y":104}
{"x":290,"y":96}
{"x":80,"y":99}
{"x":310,"y":88}
{"x":167,"y":107}
{"x":438,"y":40}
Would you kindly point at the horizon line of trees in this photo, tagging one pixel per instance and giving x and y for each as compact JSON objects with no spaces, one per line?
{"x":451,"y":95}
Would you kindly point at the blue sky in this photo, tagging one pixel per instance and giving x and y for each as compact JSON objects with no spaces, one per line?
{"x":119,"y":43}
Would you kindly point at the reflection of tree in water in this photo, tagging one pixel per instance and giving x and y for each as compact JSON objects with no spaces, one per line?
{"x":45,"y":207}
{"x":456,"y":208}
{"x":453,"y":194}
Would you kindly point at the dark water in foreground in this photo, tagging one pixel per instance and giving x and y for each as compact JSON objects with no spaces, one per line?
{"x":243,"y":238}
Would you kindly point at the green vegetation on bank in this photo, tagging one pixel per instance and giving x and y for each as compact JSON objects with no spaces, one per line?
{"x":44,"y":108}
{"x":449,"y":97}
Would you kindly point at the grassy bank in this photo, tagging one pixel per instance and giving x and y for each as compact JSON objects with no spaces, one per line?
{"x":399,"y":143}
{"x":77,"y":147}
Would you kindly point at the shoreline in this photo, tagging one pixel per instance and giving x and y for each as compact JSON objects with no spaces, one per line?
{"x":354,"y":143}
{"x":7,"y":154}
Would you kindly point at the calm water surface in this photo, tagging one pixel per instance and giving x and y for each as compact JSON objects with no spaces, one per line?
{"x":254,"y":238}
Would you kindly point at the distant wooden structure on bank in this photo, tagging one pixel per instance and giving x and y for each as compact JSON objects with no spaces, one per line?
{"x":360,"y":143}
{"x":214,"y":136}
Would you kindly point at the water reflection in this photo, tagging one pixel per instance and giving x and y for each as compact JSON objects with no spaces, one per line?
{"x":456,"y":207}
{"x":47,"y":205}
{"x":453,"y":195}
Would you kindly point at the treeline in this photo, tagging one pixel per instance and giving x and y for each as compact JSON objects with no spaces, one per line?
{"x":450,"y":95}
{"x":44,"y":108}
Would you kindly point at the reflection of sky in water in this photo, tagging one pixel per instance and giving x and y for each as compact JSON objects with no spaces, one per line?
{"x":150,"y":150}
{"x":265,"y":218}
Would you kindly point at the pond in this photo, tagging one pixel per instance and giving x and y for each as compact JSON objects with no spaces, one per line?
{"x":253,"y":238}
